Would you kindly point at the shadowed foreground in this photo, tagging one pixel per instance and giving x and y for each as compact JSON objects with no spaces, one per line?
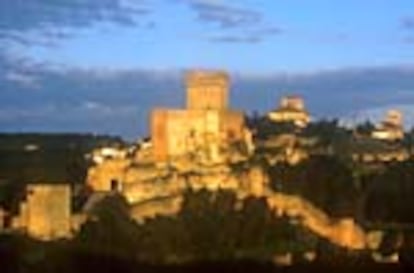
{"x":95,"y":263}
{"x":21,"y":254}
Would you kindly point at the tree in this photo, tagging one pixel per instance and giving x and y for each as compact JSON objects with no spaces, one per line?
{"x":331,"y":138}
{"x":365,"y":129}
{"x":326,"y":181}
{"x":389,"y":194}
{"x":215,"y":226}
{"x":110,"y":230}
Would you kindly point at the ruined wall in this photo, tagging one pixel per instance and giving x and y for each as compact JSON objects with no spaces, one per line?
{"x":46,"y":212}
{"x":344,"y":232}
{"x":102,"y":176}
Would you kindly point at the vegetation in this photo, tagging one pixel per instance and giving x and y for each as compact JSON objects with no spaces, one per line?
{"x":333,"y":181}
{"x":43,"y":158}
{"x":209,"y":231}
{"x":211,"y":226}
{"x":264,"y":128}
{"x":208,"y":227}
{"x":323,"y":180}
{"x":389,"y":194}
{"x":331,"y":138}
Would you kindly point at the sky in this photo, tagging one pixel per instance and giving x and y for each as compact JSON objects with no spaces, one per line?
{"x":100,"y":66}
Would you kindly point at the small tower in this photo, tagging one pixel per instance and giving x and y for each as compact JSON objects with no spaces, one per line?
{"x":292,"y":103}
{"x":391,"y":128}
{"x":291,"y":109}
{"x":394,"y":118}
{"x":207,"y":90}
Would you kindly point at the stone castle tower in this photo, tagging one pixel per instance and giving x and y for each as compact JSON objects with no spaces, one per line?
{"x":206,"y":123}
{"x":207,"y":90}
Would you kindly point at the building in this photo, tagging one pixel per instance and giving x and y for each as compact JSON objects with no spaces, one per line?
{"x":205,"y":128}
{"x":207,"y":90}
{"x":45,"y":213}
{"x":99,"y":155}
{"x":391,"y":128}
{"x":372,"y":150}
{"x":291,"y":109}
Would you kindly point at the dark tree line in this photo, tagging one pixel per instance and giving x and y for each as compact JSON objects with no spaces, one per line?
{"x":209,"y":227}
{"x":326,"y":181}
{"x":384,"y":196}
{"x":389,"y":194}
{"x":57,"y":158}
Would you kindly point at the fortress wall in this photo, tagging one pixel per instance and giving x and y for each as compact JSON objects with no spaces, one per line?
{"x":232,"y":124}
{"x":176,"y":132}
{"x":159,"y":133}
{"x":48,"y":211}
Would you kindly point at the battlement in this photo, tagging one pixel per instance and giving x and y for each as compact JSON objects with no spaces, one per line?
{"x":207,"y":77}
{"x":207,"y":90}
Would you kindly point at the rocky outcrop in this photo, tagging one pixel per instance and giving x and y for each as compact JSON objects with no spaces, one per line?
{"x":169,"y":205}
{"x":158,"y":189}
{"x":343,"y":232}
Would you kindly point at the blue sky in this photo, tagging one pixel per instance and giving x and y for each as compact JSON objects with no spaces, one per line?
{"x":101,"y":65}
{"x":248,"y":36}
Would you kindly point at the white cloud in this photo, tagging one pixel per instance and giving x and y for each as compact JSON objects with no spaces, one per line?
{"x":23,"y":79}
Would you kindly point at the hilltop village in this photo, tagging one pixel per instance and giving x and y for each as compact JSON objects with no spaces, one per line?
{"x":208,"y":146}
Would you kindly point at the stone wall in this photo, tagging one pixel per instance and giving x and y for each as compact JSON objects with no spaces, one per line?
{"x":46,"y":212}
{"x":179,"y":132}
{"x":207,"y":90}
{"x":204,"y":126}
{"x":104,"y":176}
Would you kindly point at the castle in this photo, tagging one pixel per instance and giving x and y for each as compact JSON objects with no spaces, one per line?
{"x":204,"y":135}
{"x":190,"y":149}
{"x":291,"y":109}
{"x":205,"y":123}
{"x":391,"y":128}
{"x":194,"y":148}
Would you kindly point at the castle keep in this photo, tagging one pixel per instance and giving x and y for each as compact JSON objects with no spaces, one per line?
{"x":207,"y":90}
{"x":205,"y":127}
